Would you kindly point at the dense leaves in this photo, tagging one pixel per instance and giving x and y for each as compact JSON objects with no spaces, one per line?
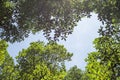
{"x":75,"y":73}
{"x":57,"y":18}
{"x":38,"y":62}
{"x":42,"y":61}
{"x":105,"y":63}
{"x":50,"y":16}
{"x":7,"y":70}
{"x":95,"y":70}
{"x":3,"y":51}
{"x":108,"y":12}
{"x":5,"y":12}
{"x":6,"y":20}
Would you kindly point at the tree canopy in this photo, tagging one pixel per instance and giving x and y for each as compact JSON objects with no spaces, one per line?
{"x":74,"y":73}
{"x":57,"y":17}
{"x":42,"y":61}
{"x":7,"y":70}
{"x":3,"y":51}
{"x":105,"y":62}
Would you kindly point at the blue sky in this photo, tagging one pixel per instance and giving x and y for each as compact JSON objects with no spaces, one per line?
{"x":79,"y":42}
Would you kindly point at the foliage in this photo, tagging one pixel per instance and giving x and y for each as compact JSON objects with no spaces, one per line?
{"x":57,"y":18}
{"x":3,"y":51}
{"x":6,"y":19}
{"x":7,"y":70}
{"x":51,"y":16}
{"x":21,"y":17}
{"x":95,"y":70}
{"x":104,"y":64}
{"x":108,"y":12}
{"x":43,"y":62}
{"x":75,"y":73}
{"x":5,"y":12}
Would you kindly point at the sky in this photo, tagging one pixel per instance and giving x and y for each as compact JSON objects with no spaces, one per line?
{"x":80,"y":42}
